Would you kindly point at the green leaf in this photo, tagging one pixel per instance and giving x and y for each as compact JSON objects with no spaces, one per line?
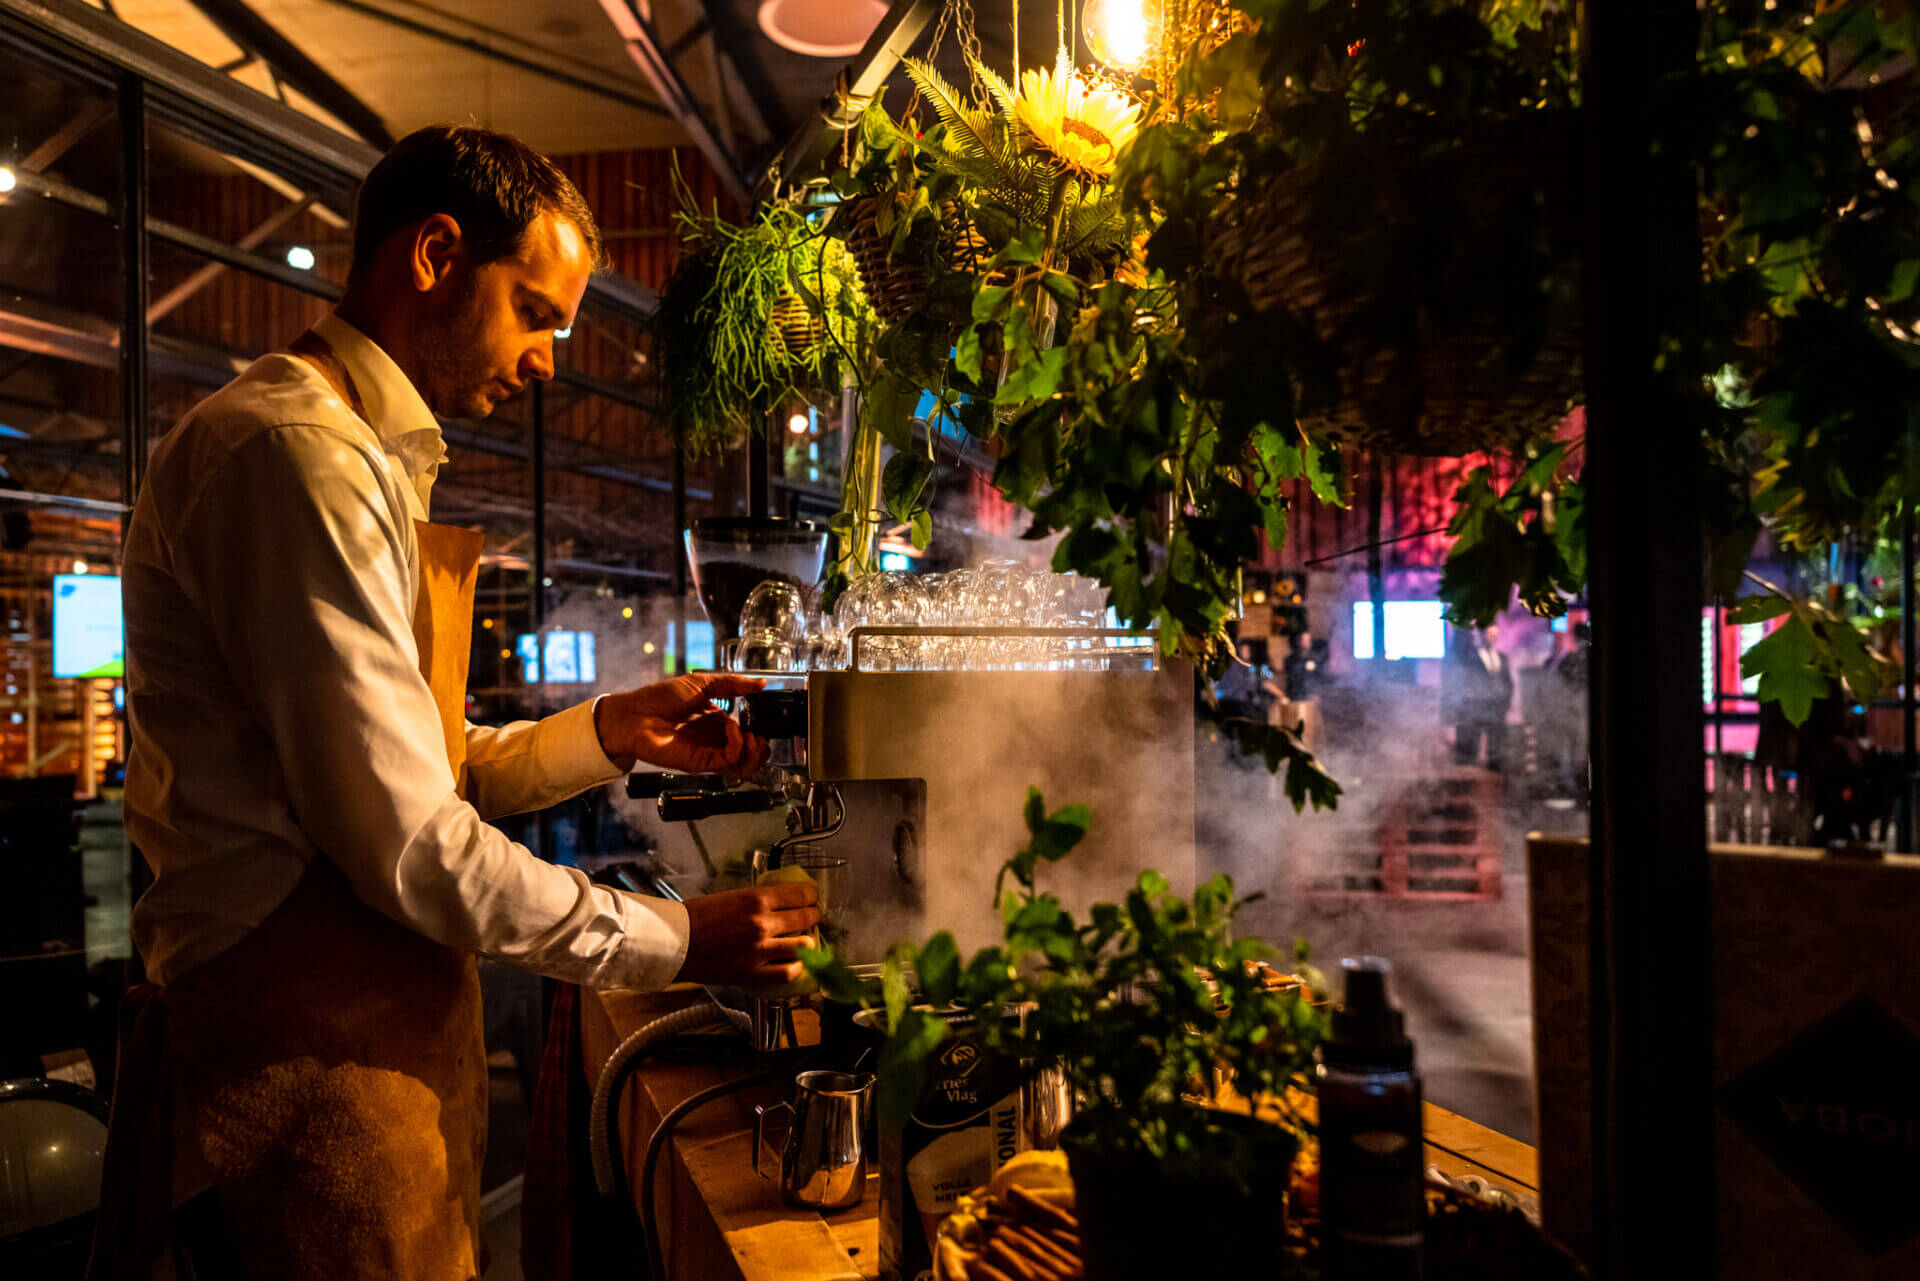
{"x":836,"y":978}
{"x":901,"y":1072}
{"x":904,"y":482}
{"x":922,"y":528}
{"x":1024,"y":250}
{"x":887,"y":410}
{"x":895,"y":989}
{"x":1785,"y":662}
{"x":1758,"y":609}
{"x":967,"y":354}
{"x":1906,"y":274}
{"x":939,"y":970}
{"x":990,"y":303}
{"x":1064,"y":288}
{"x":1849,"y":648}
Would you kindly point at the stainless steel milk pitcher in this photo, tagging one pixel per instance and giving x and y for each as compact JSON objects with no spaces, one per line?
{"x":823,"y":1165}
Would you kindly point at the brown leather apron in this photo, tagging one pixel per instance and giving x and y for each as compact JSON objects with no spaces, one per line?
{"x":328,"y":1073}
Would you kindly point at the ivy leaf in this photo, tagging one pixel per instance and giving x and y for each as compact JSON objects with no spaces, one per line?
{"x":903,"y":482}
{"x":887,"y":409}
{"x":967,"y":354}
{"x":1023,"y":250}
{"x":1065,"y":290}
{"x":1035,"y":378}
{"x":990,"y":303}
{"x":922,"y":528}
{"x":1785,"y":662}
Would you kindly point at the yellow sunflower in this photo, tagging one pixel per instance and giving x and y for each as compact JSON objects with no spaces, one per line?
{"x":1082,"y":127}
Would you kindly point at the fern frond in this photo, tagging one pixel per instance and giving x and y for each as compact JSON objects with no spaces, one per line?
{"x":967,"y":129}
{"x":1099,"y":223}
{"x":1001,"y":91}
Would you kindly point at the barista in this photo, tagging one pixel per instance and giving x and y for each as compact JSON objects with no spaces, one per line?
{"x":304,"y":1094}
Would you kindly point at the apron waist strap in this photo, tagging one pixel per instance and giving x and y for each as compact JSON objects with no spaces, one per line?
{"x":136,"y":1186}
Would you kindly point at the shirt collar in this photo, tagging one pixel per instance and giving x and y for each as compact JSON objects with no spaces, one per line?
{"x":408,"y":431}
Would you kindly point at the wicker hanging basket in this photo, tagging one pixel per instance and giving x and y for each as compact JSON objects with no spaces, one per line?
{"x":962,"y":247}
{"x":1427,"y":363}
{"x":799,"y":329}
{"x":894,"y":286}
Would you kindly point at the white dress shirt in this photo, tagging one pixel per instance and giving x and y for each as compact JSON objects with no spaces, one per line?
{"x":277,"y":707}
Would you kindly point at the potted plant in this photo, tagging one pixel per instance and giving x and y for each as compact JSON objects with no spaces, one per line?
{"x":1146,"y":1007}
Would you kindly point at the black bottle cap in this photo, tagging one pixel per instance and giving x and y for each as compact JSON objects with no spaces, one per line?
{"x":1368,"y":1033}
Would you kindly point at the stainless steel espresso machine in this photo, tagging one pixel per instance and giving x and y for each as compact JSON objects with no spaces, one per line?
{"x":905,"y":791}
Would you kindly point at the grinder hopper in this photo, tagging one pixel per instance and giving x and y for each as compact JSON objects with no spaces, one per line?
{"x":731,"y":555}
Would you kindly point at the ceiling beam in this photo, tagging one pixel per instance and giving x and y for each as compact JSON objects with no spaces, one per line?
{"x":482,"y":47}
{"x":206,"y":274}
{"x":736,"y":42}
{"x":643,"y":45}
{"x":249,"y":30}
{"x":66,"y":135}
{"x":809,"y":145}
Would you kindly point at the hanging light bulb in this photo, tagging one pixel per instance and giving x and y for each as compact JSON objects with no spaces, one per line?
{"x":1120,"y":33}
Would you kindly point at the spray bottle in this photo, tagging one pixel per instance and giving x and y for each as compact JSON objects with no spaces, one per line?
{"x":1372,"y":1179}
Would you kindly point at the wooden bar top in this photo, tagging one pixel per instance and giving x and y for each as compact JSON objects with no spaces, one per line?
{"x":722,"y":1222}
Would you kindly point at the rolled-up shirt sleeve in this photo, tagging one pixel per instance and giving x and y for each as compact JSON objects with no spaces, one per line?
{"x":297,"y":559}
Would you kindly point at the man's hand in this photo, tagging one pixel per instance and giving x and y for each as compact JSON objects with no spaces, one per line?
{"x":751,"y":937}
{"x":675,"y":725}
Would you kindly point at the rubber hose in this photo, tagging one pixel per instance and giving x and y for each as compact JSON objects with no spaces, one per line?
{"x":656,"y":1257}
{"x":602,"y":1128}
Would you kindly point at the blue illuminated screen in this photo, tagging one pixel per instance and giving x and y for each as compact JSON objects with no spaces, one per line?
{"x":566,"y":658}
{"x":89,"y":642}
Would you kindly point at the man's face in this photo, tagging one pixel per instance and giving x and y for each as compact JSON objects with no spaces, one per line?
{"x":1491,"y":637}
{"x":493,"y":329}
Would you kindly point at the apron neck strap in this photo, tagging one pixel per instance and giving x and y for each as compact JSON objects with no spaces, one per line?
{"x":319,"y":353}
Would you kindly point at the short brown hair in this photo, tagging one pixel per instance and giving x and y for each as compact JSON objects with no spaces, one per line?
{"x":491,"y":183}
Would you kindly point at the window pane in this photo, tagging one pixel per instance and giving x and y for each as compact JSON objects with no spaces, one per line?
{"x":61,"y":293}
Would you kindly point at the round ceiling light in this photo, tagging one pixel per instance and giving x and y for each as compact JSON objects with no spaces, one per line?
{"x":821,"y":28}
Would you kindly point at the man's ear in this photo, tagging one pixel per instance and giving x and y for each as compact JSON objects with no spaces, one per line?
{"x":436,"y":245}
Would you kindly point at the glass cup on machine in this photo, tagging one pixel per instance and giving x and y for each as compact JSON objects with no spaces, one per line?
{"x":805,"y":860}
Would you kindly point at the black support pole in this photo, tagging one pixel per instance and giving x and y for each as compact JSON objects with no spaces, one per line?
{"x":1653,"y":1113}
{"x":537,"y":453}
{"x":680,"y":566}
{"x":1909,"y":794}
{"x":759,"y":466}
{"x":133,"y":258}
{"x":537,"y":588}
{"x":1376,"y":564}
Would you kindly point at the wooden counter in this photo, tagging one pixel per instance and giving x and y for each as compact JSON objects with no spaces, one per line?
{"x":724,"y":1223}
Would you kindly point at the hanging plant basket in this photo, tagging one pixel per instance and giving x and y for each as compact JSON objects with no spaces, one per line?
{"x":962,"y":247}
{"x":895,"y":287}
{"x":800,"y":330}
{"x":1451,"y":333}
